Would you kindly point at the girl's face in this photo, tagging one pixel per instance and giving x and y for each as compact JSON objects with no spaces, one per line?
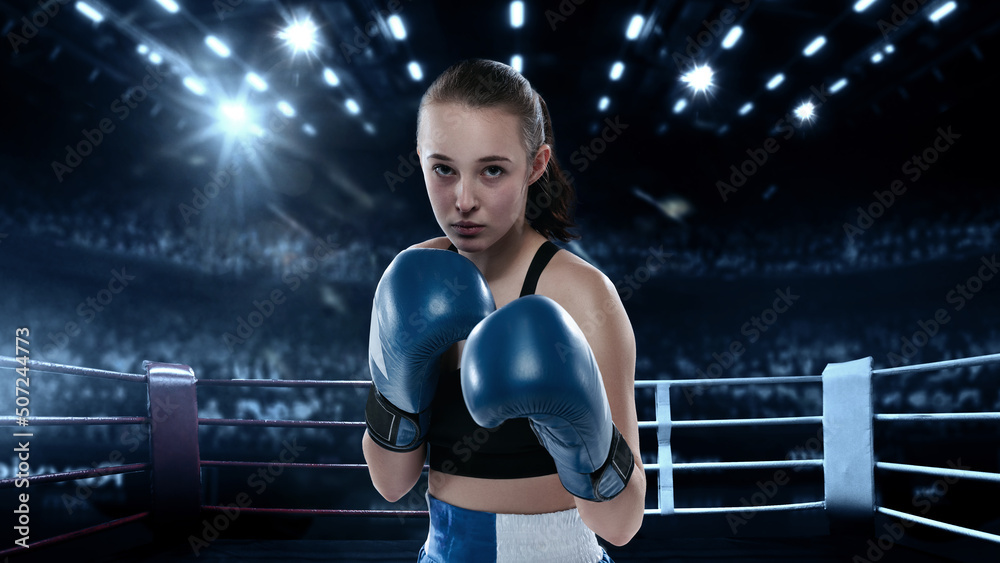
{"x":476,"y":172}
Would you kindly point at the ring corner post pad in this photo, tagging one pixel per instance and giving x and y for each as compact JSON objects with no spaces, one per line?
{"x":175,"y":478}
{"x":848,"y":452}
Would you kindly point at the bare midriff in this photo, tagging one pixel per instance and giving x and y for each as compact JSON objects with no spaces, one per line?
{"x":531,"y":495}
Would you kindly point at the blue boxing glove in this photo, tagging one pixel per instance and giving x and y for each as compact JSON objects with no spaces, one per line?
{"x":426,"y":301}
{"x":531,"y":360}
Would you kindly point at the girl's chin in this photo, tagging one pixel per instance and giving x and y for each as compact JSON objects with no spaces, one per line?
{"x":468,"y":244}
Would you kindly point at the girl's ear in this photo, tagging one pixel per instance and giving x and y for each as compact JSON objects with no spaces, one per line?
{"x":540,"y":163}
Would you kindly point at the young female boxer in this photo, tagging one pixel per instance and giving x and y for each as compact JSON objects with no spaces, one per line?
{"x":511,"y":363}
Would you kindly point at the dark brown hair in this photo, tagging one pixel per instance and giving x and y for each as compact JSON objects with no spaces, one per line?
{"x":480,"y":83}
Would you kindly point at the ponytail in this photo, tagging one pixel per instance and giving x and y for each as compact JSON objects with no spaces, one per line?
{"x":550,"y":199}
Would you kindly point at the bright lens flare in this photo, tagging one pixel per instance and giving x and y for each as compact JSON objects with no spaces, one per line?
{"x":300,"y":36}
{"x":699,"y":79}
{"x":234,"y":113}
{"x":805,"y":111}
{"x":235,"y":119}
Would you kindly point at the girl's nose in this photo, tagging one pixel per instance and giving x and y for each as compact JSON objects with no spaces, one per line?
{"x":465,"y":198}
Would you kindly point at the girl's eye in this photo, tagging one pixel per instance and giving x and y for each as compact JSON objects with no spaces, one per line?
{"x":489,"y":171}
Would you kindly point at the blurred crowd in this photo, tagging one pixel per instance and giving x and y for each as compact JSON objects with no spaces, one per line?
{"x":740,"y":247}
{"x":333,"y":345}
{"x":731,"y":250}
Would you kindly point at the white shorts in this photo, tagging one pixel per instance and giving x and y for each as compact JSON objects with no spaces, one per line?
{"x":460,"y":535}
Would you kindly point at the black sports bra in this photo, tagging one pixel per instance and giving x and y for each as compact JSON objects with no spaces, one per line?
{"x":459,"y":446}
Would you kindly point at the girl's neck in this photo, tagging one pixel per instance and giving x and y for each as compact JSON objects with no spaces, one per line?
{"x":496,"y":260}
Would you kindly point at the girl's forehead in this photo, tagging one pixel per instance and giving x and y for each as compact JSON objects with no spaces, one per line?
{"x":454,"y":127}
{"x":455,"y":111}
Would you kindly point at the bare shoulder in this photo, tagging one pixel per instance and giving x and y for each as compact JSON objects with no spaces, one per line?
{"x":571,"y":280}
{"x":587,"y":295}
{"x":441,"y":243}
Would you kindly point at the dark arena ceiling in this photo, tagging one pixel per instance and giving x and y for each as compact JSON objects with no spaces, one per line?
{"x":64,"y":75}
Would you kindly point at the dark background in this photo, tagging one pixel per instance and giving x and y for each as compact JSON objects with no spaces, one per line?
{"x":129,"y":207}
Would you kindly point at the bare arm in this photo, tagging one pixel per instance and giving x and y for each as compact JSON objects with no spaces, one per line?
{"x":392,"y":473}
{"x":395,"y":473}
{"x":594,"y":304}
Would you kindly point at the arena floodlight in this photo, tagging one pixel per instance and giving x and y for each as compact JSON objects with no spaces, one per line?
{"x":155,"y":58}
{"x":142,"y":49}
{"x":747,"y":108}
{"x":732,"y":37}
{"x":877,"y":58}
{"x":814,"y":45}
{"x":308,"y":129}
{"x":941,"y":12}
{"x":616,"y":70}
{"x":889,"y":49}
{"x":397,"y":27}
{"x":89,"y":11}
{"x":699,"y":79}
{"x":862,"y":5}
{"x":838,"y":85}
{"x":256,"y":81}
{"x":516,"y":14}
{"x":416,"y":73}
{"x":604,"y":103}
{"x":233,"y":111}
{"x":300,"y":35}
{"x":806,"y":111}
{"x":216,"y":45}
{"x":634,"y":27}
{"x":680,"y":105}
{"x":352,"y":106}
{"x":331,"y":77}
{"x":195,"y":85}
{"x":286,"y":109}
{"x":235,"y":118}
{"x":775,"y":81}
{"x":517,"y":62}
{"x":169,"y":5}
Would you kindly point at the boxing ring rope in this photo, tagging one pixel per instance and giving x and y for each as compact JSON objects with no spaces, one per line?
{"x":292,"y":383}
{"x":80,"y":474}
{"x":65,"y":476}
{"x":848,"y":461}
{"x":777,"y":421}
{"x":744,"y":509}
{"x":281,"y":383}
{"x":943,"y":364}
{"x":78,"y":533}
{"x":664,"y":424}
{"x":787,"y":463}
{"x":279,"y":423}
{"x":47,"y":367}
{"x":938,"y":471}
{"x":941,"y":471}
{"x":321,"y":511}
{"x":73,"y":420}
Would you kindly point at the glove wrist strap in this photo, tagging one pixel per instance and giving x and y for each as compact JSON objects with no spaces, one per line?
{"x":612,"y":477}
{"x":393,"y":429}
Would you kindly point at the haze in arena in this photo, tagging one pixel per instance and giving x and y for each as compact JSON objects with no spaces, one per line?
{"x":793,"y":203}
